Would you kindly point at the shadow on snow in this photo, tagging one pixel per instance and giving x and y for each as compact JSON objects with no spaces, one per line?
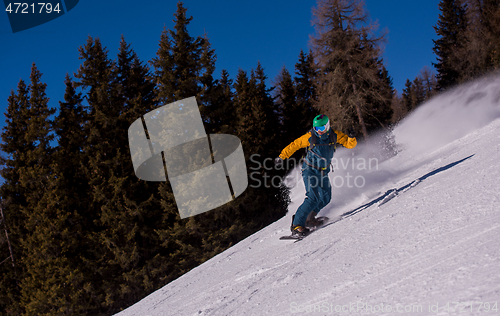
{"x":390,"y":194}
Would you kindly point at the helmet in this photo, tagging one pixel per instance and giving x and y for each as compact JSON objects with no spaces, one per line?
{"x":321,"y":123}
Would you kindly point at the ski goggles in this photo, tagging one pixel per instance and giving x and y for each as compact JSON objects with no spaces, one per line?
{"x":320,"y":128}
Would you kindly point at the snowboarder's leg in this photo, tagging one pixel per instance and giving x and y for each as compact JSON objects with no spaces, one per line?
{"x":325,"y":193}
{"x":312,"y":200}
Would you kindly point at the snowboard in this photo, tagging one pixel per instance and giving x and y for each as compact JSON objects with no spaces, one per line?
{"x":312,"y":229}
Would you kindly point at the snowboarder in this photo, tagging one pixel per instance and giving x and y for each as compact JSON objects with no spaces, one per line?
{"x":320,"y":142}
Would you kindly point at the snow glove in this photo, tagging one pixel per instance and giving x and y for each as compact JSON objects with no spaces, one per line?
{"x":278,"y":163}
{"x":351,"y":133}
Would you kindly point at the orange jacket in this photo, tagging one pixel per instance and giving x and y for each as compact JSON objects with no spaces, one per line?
{"x":303,"y":142}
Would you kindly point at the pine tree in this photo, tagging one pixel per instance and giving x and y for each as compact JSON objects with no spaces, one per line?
{"x":69,"y":199}
{"x":286,"y":100}
{"x":56,"y":281}
{"x":207,"y":62}
{"x":13,"y":195}
{"x":126,"y":210}
{"x":34,"y":173}
{"x":419,"y":92}
{"x":71,"y":138}
{"x":398,"y":108}
{"x":347,"y":56}
{"x":429,"y":82}
{"x":219,"y":110}
{"x":265,"y":112}
{"x":304,"y":79}
{"x":95,"y":79}
{"x":242,"y":104}
{"x":257,"y":113}
{"x":134,"y":210}
{"x":135,"y":89}
{"x":183,"y":65}
{"x":408,"y":96}
{"x":183,"y":68}
{"x":451,"y":31}
{"x":481,"y":51}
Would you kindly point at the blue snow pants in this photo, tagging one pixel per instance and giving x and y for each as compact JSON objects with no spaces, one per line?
{"x":318,"y":194}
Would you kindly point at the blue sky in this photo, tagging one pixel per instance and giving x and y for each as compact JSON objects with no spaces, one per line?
{"x":242,"y":33}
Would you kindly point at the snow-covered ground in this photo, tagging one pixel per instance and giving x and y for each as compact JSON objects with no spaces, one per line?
{"x":418,"y":234}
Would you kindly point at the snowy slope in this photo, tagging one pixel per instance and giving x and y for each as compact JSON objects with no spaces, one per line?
{"x":431,"y":249}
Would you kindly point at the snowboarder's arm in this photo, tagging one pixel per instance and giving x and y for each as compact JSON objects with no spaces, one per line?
{"x":346,"y":141}
{"x":301,"y":142}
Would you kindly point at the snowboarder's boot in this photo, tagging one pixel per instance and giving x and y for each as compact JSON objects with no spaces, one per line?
{"x":299,"y":230}
{"x":312,"y":221}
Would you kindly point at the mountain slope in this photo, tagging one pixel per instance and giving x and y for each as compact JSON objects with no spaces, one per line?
{"x":433,"y":243}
